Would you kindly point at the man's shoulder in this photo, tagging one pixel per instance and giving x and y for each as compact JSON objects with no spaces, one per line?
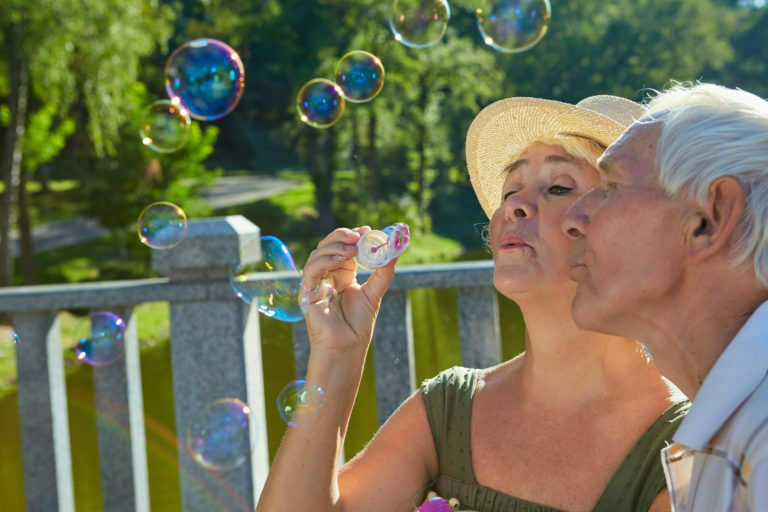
{"x":747,"y":430}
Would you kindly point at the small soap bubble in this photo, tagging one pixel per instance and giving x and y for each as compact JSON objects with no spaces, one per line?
{"x":164,"y":126}
{"x":513,"y":26}
{"x":320,"y":103}
{"x":220,"y":436}
{"x":377,"y":248}
{"x":419,"y":23}
{"x":360,"y":75}
{"x":250,"y":277}
{"x":8,"y":342}
{"x":99,"y":338}
{"x":299,"y":403}
{"x":207,"y":76}
{"x":162,"y":225}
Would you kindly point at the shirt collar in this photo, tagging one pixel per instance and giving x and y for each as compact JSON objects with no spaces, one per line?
{"x":736,"y":374}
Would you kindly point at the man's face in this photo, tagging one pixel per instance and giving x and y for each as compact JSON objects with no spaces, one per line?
{"x":628,"y":254}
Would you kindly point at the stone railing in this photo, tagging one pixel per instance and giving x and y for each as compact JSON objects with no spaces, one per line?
{"x":203,"y":307}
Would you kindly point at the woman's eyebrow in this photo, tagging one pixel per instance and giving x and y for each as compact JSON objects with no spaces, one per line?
{"x":513,"y":166}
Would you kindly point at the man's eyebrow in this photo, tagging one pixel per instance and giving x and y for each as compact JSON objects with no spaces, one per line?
{"x":605,"y":166}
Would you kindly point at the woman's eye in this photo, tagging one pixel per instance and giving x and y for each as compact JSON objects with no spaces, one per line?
{"x":507,"y":194}
{"x":559,"y":190}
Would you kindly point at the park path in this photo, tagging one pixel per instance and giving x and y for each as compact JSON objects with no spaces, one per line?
{"x":226,"y":192}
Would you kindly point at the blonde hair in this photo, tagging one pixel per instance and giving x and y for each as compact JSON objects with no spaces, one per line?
{"x":577,"y":146}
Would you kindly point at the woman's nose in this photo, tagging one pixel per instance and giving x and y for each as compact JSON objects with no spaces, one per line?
{"x":518,"y":206}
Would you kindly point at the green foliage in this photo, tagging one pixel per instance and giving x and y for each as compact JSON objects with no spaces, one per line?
{"x":123,"y":184}
{"x":45,"y":137}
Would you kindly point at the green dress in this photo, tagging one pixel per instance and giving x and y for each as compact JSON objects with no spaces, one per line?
{"x":448,"y":400}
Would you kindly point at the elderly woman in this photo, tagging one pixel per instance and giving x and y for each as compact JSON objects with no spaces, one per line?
{"x":576,"y":422}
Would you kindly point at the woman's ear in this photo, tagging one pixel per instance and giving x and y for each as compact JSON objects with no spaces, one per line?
{"x":712,"y":225}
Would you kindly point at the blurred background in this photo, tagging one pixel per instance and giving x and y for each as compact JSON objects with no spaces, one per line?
{"x":76,"y":75}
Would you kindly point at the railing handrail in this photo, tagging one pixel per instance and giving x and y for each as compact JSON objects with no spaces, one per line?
{"x":136,"y":291}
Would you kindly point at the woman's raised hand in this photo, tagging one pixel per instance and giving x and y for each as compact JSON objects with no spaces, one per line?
{"x":345,"y":325}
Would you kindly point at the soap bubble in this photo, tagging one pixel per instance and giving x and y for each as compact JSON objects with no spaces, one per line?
{"x":377,"y":248}
{"x":164,"y":126}
{"x":207,"y":76}
{"x":220,"y":436}
{"x":320,"y":103}
{"x":322,"y":294}
{"x":162,"y":225}
{"x":250,"y":277}
{"x":360,"y":75}
{"x":100,"y":338}
{"x":419,"y":23}
{"x":513,"y":26}
{"x":8,"y":341}
{"x":299,"y":403}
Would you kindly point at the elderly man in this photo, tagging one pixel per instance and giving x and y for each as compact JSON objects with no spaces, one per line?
{"x":672,"y":250}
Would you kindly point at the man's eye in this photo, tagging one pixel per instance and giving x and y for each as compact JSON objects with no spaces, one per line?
{"x":559,"y":190}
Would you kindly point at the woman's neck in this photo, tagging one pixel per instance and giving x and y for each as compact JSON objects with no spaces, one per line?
{"x":562,"y":363}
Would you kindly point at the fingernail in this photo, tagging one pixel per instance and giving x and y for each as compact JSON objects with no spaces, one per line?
{"x":339,"y":257}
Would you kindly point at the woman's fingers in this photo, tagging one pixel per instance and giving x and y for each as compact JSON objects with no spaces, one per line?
{"x":334,"y":252}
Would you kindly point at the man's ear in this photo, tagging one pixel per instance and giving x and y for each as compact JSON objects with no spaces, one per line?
{"x":712,"y":225}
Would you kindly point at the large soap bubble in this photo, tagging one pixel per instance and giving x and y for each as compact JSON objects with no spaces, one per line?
{"x":299,"y":403}
{"x":360,"y":75}
{"x":207,"y":76}
{"x":320,"y":103}
{"x":100,"y":338}
{"x":513,"y":26}
{"x":419,"y":23}
{"x":220,"y":437}
{"x":250,"y":277}
{"x":162,"y":225}
{"x":164,"y":126}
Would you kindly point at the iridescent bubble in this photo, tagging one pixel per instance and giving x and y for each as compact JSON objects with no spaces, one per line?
{"x":251,"y":277}
{"x":299,"y":403}
{"x":164,"y":126}
{"x":162,"y":225}
{"x":207,"y":76}
{"x":419,"y":23}
{"x":220,"y":436}
{"x":360,"y":75}
{"x":320,"y":103}
{"x":322,"y":294}
{"x":513,"y":26}
{"x":8,"y":341}
{"x":100,"y":338}
{"x":377,"y":248}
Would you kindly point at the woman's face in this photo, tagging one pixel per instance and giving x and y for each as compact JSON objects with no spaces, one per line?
{"x":529,"y":248}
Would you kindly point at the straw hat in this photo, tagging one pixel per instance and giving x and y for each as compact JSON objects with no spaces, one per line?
{"x":505,"y":128}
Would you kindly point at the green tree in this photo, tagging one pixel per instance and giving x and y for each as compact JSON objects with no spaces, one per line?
{"x":79,"y":58}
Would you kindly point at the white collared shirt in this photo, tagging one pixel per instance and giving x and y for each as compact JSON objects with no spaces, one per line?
{"x":719,"y":461}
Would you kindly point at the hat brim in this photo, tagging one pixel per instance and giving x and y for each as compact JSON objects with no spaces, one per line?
{"x":502,"y":130}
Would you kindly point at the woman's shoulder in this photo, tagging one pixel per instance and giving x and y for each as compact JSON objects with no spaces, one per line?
{"x":454,"y":378}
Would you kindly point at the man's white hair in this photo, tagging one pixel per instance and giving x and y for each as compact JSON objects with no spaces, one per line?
{"x":710,"y":131}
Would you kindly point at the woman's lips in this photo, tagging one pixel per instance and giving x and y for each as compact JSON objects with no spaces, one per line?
{"x":513,"y":243}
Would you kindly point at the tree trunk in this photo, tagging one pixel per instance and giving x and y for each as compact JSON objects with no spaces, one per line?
{"x":356,"y":150}
{"x":10,"y":166}
{"x":320,"y":165}
{"x":374,"y":178}
{"x":422,"y":148}
{"x":25,"y":233}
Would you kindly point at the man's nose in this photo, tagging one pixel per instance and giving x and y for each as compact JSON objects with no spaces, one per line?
{"x":577,"y":216}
